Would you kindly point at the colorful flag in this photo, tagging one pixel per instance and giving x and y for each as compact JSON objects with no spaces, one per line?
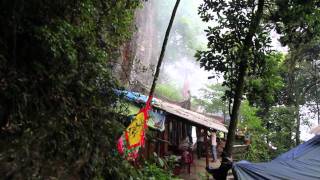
{"x":134,"y":136}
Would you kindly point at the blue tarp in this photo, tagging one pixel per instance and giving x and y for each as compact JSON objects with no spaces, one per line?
{"x":300,"y":163}
{"x":134,"y":96}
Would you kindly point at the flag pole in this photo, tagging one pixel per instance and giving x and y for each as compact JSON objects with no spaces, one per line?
{"x":163,"y":49}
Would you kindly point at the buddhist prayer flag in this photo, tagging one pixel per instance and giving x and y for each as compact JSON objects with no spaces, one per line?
{"x":134,"y":136}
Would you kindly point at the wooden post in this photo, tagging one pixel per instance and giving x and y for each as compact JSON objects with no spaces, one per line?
{"x":207,"y":155}
{"x":206,"y":144}
{"x":166,"y":137}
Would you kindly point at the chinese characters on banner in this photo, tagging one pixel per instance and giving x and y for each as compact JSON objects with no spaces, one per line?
{"x":134,"y":135}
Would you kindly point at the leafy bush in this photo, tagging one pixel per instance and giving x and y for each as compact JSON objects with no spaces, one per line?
{"x":258,"y":149}
{"x":153,"y":171}
{"x":272,"y":140}
{"x":281,"y":128}
{"x":168,"y":163}
{"x":58,"y":115}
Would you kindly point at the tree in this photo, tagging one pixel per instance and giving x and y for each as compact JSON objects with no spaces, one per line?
{"x":263,"y":87}
{"x":300,"y":78}
{"x":238,"y":41}
{"x":298,"y":22}
{"x":237,"y":46}
{"x":58,"y":112}
{"x":295,"y":91}
{"x":168,"y":91}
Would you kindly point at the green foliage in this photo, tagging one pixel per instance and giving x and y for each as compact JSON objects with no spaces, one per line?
{"x":226,"y":40}
{"x":301,"y":75}
{"x":163,"y":167}
{"x":258,"y":150}
{"x":298,"y":24}
{"x":168,"y":91}
{"x":238,"y":44}
{"x":239,"y":49}
{"x":154,"y":172}
{"x":202,"y":176}
{"x":262,"y":88}
{"x":271,"y":139}
{"x":133,"y":109}
{"x":281,"y":126}
{"x":249,"y":118}
{"x":159,"y":168}
{"x":58,"y":114}
{"x":297,"y":21}
{"x":212,"y":99}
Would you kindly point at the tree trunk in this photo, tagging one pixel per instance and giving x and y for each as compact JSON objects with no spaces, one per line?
{"x":298,"y":124}
{"x":316,"y":91}
{"x":235,"y":109}
{"x":265,"y":113}
{"x":241,"y":79}
{"x":318,"y":110}
{"x":226,"y":163}
{"x":156,"y":75}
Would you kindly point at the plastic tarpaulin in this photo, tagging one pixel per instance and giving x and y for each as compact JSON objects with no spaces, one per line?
{"x":300,"y":163}
{"x":134,"y":96}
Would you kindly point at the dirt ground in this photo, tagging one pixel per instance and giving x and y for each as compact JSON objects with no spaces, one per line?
{"x":198,"y":171}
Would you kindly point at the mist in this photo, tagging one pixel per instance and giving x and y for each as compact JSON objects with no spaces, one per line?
{"x":186,"y":37}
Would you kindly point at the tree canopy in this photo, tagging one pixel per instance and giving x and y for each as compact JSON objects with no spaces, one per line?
{"x":239,"y":49}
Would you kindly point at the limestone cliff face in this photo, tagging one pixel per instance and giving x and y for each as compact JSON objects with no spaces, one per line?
{"x":137,"y":61}
{"x":145,"y":54}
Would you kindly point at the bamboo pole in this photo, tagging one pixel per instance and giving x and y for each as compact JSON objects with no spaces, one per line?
{"x":163,"y":49}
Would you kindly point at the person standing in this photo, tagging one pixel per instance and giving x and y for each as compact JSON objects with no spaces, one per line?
{"x":214,"y":145}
